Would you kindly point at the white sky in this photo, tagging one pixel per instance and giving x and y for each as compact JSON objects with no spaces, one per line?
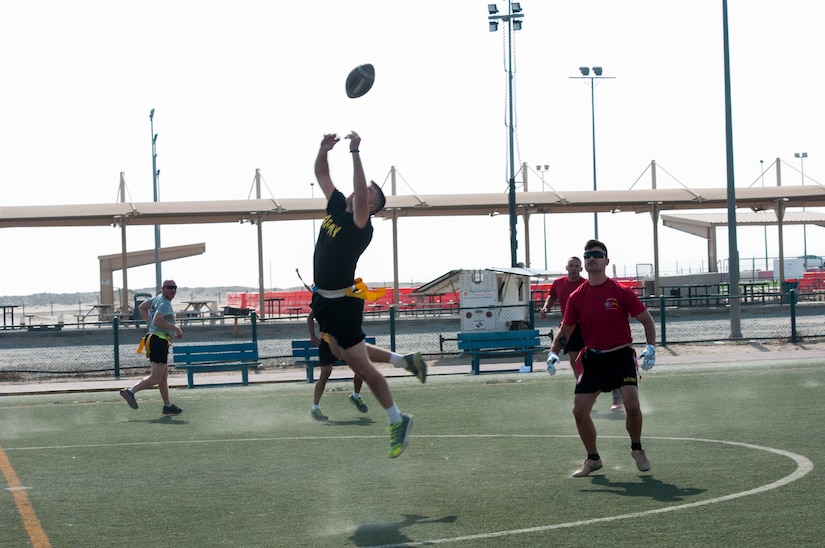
{"x":245,"y":84}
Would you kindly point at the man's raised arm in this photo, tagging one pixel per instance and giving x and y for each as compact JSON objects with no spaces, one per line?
{"x":322,"y":165}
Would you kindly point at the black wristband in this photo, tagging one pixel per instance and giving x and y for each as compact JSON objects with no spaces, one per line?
{"x":354,"y":151}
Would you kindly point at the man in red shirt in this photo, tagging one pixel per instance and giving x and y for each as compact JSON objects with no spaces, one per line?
{"x":560,"y":290}
{"x":601,"y":308}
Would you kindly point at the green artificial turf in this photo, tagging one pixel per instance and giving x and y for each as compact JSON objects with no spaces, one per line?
{"x":488,"y":464}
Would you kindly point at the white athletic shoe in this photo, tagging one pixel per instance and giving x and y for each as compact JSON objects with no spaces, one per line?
{"x":642,"y":463}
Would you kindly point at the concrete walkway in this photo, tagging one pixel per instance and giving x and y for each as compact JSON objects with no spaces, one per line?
{"x":178,"y":380}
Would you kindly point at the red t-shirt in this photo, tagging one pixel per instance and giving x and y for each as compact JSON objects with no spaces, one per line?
{"x":562,"y":288}
{"x":602,"y":313}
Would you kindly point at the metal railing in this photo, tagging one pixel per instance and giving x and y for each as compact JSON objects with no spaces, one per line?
{"x":110,"y":349}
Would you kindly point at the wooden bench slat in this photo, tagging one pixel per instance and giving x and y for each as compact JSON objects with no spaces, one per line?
{"x":211,"y":366}
{"x":217,"y":357}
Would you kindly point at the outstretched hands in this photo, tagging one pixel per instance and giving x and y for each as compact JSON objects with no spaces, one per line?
{"x":329,"y":141}
{"x":354,"y":141}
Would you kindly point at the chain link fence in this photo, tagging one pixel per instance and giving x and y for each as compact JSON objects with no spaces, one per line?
{"x":109,"y":349}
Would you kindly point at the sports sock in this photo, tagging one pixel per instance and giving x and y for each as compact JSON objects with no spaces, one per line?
{"x":634,"y":445}
{"x":356,"y":395}
{"x":593,"y":456}
{"x":397,"y":360}
{"x":315,"y":406}
{"x":393,"y":414}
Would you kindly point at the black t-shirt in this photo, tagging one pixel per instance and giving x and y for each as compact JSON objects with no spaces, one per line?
{"x":339,"y":246}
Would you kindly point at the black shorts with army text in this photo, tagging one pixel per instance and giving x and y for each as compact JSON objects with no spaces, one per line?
{"x":606,"y":371}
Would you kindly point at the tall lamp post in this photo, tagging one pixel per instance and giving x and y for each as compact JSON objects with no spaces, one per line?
{"x":762,"y":169}
{"x":802,"y":156}
{"x":156,"y":195}
{"x":597,"y":75}
{"x":314,"y":235}
{"x":544,"y":216}
{"x":513,"y":19}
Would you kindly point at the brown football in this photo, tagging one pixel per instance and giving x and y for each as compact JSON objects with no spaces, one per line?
{"x":360,"y":80}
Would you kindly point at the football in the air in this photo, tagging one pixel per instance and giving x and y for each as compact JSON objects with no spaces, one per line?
{"x":360,"y":80}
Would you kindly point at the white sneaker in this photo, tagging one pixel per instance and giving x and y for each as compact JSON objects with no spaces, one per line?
{"x":642,"y":463}
{"x":617,"y":401}
{"x":587,"y":467}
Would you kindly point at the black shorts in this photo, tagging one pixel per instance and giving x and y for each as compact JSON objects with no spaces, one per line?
{"x":607,"y":371}
{"x":575,"y":342}
{"x":325,"y":355}
{"x":341,"y":318}
{"x":158,"y":349}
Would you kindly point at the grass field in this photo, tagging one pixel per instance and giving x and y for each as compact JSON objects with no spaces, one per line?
{"x":737,"y":454}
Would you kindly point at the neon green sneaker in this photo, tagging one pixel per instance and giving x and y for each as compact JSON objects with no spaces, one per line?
{"x":317,"y":415}
{"x":359,"y":403}
{"x":417,"y":366}
{"x":399,"y":435}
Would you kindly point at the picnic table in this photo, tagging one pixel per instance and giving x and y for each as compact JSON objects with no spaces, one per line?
{"x":102,"y":311}
{"x":269,"y":303}
{"x":199,"y":307}
{"x":195,"y":310}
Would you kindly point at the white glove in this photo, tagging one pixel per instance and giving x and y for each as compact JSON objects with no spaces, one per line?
{"x":552,"y":360}
{"x":648,"y":357}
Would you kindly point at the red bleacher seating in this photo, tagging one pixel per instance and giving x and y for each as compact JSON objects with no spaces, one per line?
{"x":296,"y":303}
{"x":812,"y":280}
{"x":236,"y":300}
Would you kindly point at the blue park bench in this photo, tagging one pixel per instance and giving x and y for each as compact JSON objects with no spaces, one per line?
{"x":204,"y":358}
{"x":307,"y":355}
{"x":500,"y":344}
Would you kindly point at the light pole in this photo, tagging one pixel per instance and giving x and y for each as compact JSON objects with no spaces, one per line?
{"x":802,"y":156}
{"x":544,"y":216}
{"x":762,"y":169}
{"x":513,"y":19}
{"x":597,"y":75}
{"x":156,"y":195}
{"x":312,"y":190}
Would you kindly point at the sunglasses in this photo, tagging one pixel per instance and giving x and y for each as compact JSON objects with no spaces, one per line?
{"x":594,"y":255}
{"x":170,"y":287}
